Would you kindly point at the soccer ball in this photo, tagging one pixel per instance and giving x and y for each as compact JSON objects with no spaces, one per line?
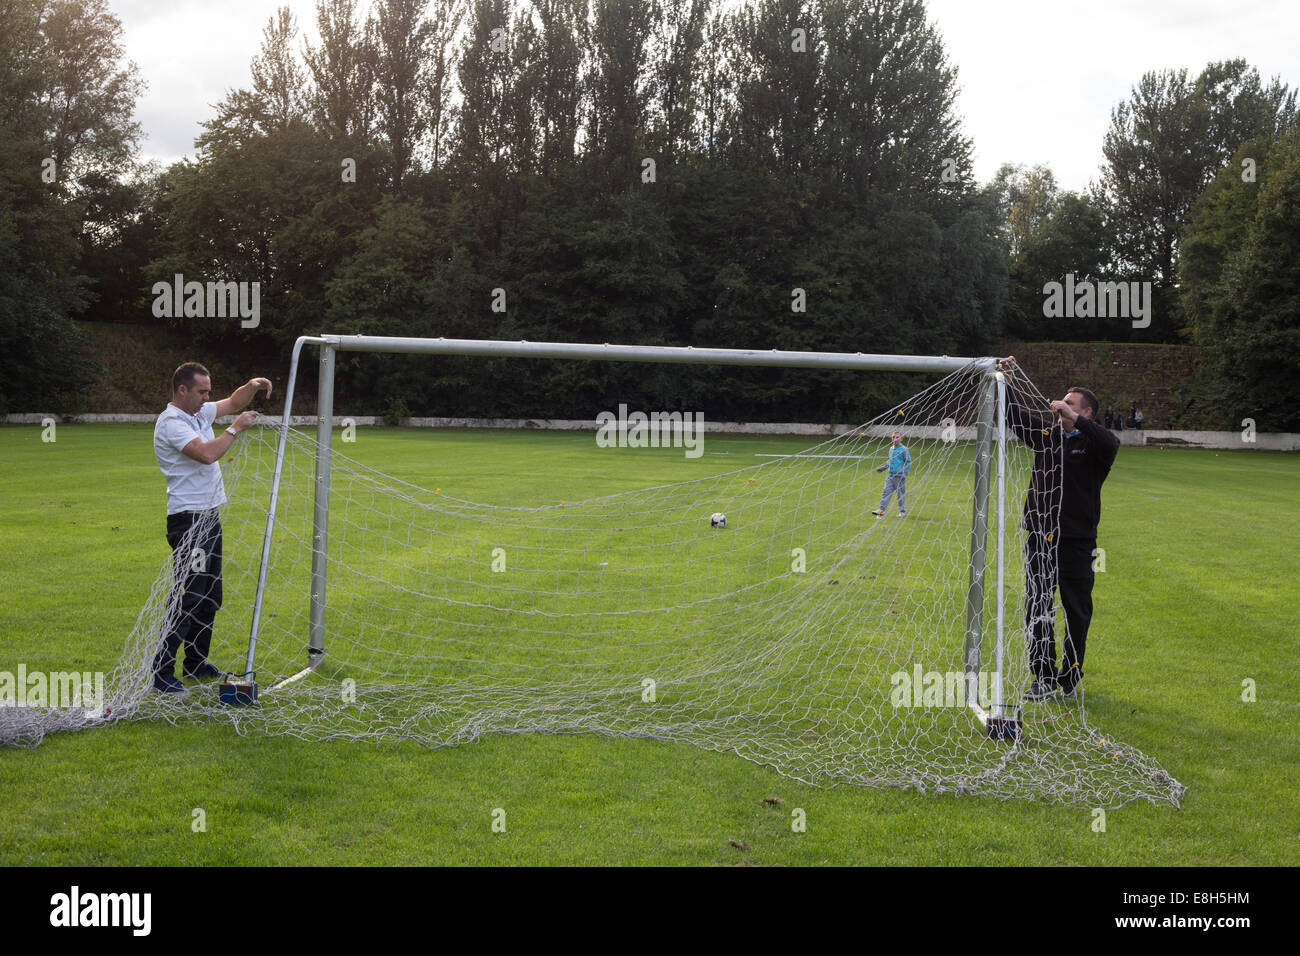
{"x":718,"y":519}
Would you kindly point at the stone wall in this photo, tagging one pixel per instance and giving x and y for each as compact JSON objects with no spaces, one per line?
{"x":1162,"y":379}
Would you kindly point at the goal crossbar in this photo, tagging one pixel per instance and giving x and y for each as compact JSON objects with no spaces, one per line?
{"x":667,"y":354}
{"x":990,"y":433}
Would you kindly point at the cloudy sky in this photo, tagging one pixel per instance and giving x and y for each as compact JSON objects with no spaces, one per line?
{"x":1038,"y":77}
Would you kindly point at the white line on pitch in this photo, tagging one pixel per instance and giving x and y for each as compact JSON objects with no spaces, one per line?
{"x":846,"y":457}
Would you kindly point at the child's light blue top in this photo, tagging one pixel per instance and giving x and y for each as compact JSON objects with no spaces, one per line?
{"x":900,"y":460}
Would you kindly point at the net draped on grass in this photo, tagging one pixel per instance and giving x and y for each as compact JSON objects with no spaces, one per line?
{"x":792,"y":637}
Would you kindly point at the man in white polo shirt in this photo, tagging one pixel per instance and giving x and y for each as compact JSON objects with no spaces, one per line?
{"x":187,"y":454}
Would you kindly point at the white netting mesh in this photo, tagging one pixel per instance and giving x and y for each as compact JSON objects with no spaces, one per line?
{"x":793,"y":637}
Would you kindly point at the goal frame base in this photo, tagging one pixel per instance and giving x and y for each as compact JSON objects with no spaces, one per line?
{"x":999,"y":728}
{"x":237,"y":693}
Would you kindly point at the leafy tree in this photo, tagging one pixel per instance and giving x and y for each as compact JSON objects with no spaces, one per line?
{"x":1219,"y":226}
{"x":1164,"y":145}
{"x":890,"y":101}
{"x":1073,"y":238}
{"x":1023,"y":198}
{"x":715,"y":84}
{"x":777,"y":52}
{"x":116,"y":253}
{"x":1242,"y":288}
{"x":619,"y":88}
{"x":485,"y":77}
{"x":278,"y":77}
{"x":266,"y":207}
{"x":407,"y":276}
{"x":66,"y":97}
{"x":401,"y":35}
{"x":1047,"y":233}
{"x":582,"y":268}
{"x":561,"y":40}
{"x":444,"y":24}
{"x":674,"y":65}
{"x":342,"y":70}
{"x":88,"y":94}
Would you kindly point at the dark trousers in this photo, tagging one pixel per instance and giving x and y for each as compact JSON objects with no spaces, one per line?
{"x":1065,"y":563}
{"x":195,"y":537}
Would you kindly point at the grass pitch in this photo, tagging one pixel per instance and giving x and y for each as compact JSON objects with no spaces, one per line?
{"x":1196,"y":599}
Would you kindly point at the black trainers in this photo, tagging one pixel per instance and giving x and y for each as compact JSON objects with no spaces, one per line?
{"x":204,"y":671}
{"x":168,"y":684}
{"x":1041,"y":690}
{"x":1071,"y":691}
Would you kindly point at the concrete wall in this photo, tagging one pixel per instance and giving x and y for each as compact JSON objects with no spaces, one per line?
{"x":1264,"y":441}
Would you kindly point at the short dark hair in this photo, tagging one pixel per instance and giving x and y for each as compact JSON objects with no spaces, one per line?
{"x":186,"y":374}
{"x":1089,"y":399}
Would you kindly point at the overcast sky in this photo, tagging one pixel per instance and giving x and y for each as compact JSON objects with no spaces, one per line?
{"x":1038,"y":78}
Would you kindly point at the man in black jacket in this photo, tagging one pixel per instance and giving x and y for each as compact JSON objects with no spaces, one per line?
{"x":1072,"y":457}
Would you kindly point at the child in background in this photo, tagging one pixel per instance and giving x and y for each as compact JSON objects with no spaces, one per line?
{"x":900,"y":463}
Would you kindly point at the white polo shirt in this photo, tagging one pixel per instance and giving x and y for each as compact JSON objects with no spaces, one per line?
{"x":191,"y":485}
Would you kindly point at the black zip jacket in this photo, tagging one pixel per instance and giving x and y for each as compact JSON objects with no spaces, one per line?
{"x":1068,"y":470}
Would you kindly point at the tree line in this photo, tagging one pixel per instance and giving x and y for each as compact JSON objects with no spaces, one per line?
{"x":778,"y":174}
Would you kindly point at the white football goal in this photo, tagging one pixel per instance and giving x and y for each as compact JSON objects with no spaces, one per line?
{"x":436,"y":587}
{"x":994,"y":712}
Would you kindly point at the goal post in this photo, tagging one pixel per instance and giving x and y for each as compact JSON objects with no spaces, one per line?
{"x":978,"y":547}
{"x":990,"y":433}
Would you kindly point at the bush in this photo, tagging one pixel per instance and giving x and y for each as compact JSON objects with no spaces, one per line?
{"x":395,"y":410}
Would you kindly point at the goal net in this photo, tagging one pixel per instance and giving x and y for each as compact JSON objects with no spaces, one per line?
{"x":808,"y":634}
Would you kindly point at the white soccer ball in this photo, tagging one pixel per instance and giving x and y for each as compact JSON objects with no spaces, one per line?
{"x":718,"y":519}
